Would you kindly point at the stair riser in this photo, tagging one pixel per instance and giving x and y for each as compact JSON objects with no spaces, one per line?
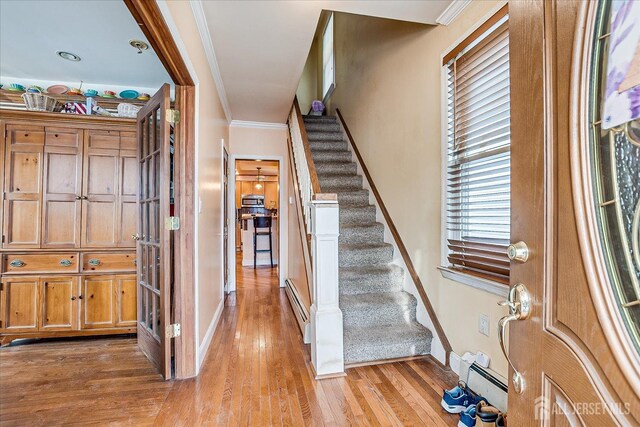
{"x":357,"y":215}
{"x":346,"y":181}
{"x":390,"y":281}
{"x":365,"y":256}
{"x":376,"y":315}
{"x":331,"y":156}
{"x":325,"y":136}
{"x":310,"y":126}
{"x":359,"y":235}
{"x":355,"y":354}
{"x":358,"y":199}
{"x":328,"y":146}
{"x":320,"y":119}
{"x":336,"y":168}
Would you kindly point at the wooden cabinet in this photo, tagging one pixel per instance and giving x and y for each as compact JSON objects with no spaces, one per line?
{"x":271,"y":195}
{"x":19,"y":302}
{"x":23,"y":185}
{"x":70,"y":186}
{"x":59,"y":296}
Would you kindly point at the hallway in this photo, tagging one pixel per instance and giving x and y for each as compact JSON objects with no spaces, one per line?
{"x":256,"y":372}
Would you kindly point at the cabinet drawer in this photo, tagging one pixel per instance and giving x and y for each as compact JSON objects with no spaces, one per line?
{"x":40,"y":263}
{"x":63,"y":137}
{"x":106,"y":261}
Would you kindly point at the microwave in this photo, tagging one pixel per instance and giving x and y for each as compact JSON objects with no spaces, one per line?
{"x":252,"y":201}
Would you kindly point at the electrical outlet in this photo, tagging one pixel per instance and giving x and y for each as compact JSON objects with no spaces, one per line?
{"x":483,"y":324}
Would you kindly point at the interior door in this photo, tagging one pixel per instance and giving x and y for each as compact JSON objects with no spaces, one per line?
{"x":574,"y":357}
{"x":225,"y":198}
{"x":153,"y":248}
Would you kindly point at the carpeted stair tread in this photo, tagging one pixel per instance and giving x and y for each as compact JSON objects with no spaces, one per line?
{"x":325,"y":136}
{"x":331,"y":156}
{"x":328,"y":146}
{"x":371,"y":279}
{"x":354,"y":214}
{"x":336,"y":168}
{"x":386,"y":342}
{"x":327,"y":126}
{"x":361,"y":232}
{"x":340,"y":182}
{"x":353,"y":198}
{"x":352,"y":254}
{"x":386,"y":308}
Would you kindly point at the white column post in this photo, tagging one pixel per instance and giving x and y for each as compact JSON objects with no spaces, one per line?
{"x":327,"y":355}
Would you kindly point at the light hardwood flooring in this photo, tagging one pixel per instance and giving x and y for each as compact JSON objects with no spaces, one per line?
{"x":257,"y":372}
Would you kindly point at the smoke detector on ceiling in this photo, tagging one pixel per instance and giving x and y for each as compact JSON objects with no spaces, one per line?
{"x":139,"y":44}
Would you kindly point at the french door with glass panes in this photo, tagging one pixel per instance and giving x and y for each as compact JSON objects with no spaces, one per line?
{"x":154,"y":240}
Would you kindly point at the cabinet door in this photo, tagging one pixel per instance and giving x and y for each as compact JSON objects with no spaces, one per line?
{"x":126,"y":300}
{"x":19,"y":304}
{"x":100,"y":189}
{"x":97,"y":302}
{"x":271,"y":195}
{"x":23,"y":186}
{"x":59,"y":303}
{"x":61,"y":188}
{"x":127,"y":198}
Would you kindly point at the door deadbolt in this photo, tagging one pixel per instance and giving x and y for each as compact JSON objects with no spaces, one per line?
{"x":518,"y":252}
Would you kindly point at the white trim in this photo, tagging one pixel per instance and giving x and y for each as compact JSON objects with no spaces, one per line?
{"x":282,"y":216}
{"x":206,"y":342}
{"x":477,"y":25}
{"x":475,"y":282}
{"x":452,"y":11}
{"x":257,"y":125}
{"x":205,"y":36}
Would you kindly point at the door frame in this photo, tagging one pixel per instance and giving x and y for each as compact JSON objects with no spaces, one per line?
{"x":152,"y":23}
{"x":231,"y":200}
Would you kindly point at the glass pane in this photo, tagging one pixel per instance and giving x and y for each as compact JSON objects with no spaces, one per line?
{"x":156,"y":170}
{"x":157,"y":318}
{"x":156,"y":268}
{"x":615,"y":165}
{"x":143,"y":306}
{"x":157,"y":138}
{"x":150,"y":309}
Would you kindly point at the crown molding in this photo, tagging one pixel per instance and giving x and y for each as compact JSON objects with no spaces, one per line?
{"x":451,"y":12}
{"x":205,"y":36}
{"x":257,"y":125}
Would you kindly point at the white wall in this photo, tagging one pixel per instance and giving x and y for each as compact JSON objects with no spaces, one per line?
{"x":388,"y":87}
{"x":212,"y":132}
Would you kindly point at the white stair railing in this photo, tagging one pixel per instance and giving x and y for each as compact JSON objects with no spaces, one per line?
{"x":322,"y":223}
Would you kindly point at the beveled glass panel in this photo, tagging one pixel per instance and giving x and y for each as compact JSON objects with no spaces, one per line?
{"x":156,"y":170}
{"x":150,"y":310}
{"x":157,"y":319}
{"x":156,"y":268}
{"x":143,"y":306}
{"x":157,"y":121}
{"x":615,"y":165}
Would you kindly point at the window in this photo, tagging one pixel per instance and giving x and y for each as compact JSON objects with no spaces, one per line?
{"x":328,"y":62}
{"x":478,"y":175}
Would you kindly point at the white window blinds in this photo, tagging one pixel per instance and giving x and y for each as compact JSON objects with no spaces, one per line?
{"x":478,"y":172}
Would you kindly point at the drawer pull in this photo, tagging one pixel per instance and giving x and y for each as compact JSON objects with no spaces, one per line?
{"x":135,"y":262}
{"x":65,"y":262}
{"x":94,"y":262}
{"x":17,"y":263}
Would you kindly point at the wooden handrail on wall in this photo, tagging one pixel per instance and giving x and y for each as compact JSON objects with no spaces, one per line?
{"x":399,"y":243}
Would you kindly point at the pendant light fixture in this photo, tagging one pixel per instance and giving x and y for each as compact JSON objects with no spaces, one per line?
{"x":258,"y":178}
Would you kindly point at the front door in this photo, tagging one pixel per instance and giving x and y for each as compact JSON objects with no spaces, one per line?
{"x":153,"y":249}
{"x":575,"y":191}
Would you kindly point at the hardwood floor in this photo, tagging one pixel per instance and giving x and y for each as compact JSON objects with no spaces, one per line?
{"x":257,"y":372}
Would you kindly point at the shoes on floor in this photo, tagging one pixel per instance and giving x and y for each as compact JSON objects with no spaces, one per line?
{"x":489,"y":416}
{"x":459,"y":399}
{"x":468,"y":417}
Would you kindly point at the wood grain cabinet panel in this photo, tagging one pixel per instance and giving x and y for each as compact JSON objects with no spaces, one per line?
{"x":20,"y":302}
{"x":127,"y":220}
{"x":59,"y":296}
{"x":97,"y":302}
{"x":62,"y":188}
{"x":23,"y":186}
{"x":40,"y":263}
{"x":126,"y":300}
{"x":100,"y":189}
{"x":108,"y":262}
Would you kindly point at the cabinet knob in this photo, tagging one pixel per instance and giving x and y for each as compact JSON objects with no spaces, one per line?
{"x":73,"y":298}
{"x":17,"y":263}
{"x":80,"y":297}
{"x":135,"y":236}
{"x":78,"y":198}
{"x":65,"y":262}
{"x":84,"y":197}
{"x":94,"y":262}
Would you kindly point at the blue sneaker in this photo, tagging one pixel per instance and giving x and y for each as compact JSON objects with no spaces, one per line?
{"x":468,"y":417}
{"x":459,"y":398}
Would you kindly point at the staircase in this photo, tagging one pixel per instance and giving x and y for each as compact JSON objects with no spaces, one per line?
{"x":379,"y":317}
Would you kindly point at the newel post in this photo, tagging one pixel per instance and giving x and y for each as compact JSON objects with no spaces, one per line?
{"x":327,"y":355}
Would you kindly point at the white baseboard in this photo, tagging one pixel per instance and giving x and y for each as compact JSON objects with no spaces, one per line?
{"x":204,"y":346}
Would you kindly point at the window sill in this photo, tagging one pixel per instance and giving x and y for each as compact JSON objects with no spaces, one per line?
{"x":475,"y":281}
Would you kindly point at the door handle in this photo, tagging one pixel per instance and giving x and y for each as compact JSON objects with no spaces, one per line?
{"x":135,"y":236}
{"x":519,"y":303}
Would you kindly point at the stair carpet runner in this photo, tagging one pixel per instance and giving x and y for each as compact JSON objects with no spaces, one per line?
{"x":379,"y":317}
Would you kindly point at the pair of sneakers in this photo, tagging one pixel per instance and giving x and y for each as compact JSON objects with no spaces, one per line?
{"x":482,"y":415}
{"x":471,"y":407}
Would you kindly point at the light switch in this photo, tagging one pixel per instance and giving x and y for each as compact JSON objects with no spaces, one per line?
{"x":290,"y":200}
{"x":199,"y":205}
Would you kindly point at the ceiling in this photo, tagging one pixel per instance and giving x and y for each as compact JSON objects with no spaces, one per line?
{"x":261,"y":46}
{"x":249,"y":168}
{"x":98,"y":31}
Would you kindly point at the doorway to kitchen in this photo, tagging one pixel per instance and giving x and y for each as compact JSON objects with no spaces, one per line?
{"x":256,"y":236}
